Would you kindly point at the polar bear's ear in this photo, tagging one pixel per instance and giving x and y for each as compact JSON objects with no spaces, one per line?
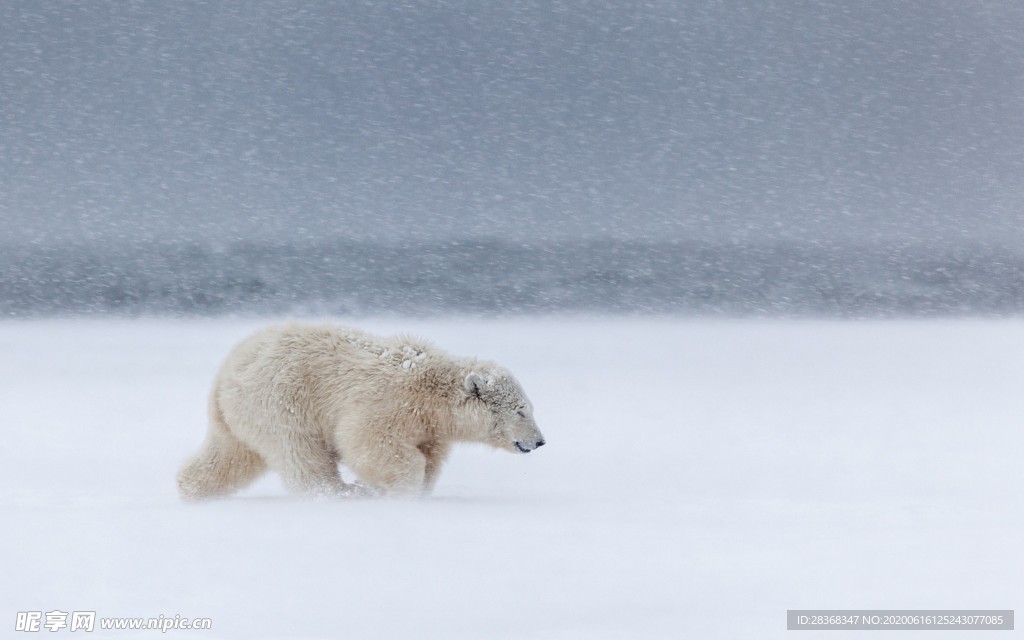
{"x":473,"y":383}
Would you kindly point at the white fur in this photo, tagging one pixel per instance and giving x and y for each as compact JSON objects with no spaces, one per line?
{"x":301,"y":399}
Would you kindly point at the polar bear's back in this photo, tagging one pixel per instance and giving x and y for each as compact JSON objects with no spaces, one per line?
{"x":336,"y":357}
{"x":311,"y":375}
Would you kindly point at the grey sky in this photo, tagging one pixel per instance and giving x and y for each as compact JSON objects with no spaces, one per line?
{"x":740,"y":119}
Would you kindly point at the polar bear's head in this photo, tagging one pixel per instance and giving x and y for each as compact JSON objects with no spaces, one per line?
{"x":510,"y":412}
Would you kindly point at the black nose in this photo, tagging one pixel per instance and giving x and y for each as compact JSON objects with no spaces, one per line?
{"x":540,"y":443}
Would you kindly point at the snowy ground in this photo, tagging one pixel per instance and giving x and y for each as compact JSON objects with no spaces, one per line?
{"x":699,"y":479}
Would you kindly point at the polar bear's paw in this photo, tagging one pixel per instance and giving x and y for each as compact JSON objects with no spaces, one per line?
{"x":358,"y":490}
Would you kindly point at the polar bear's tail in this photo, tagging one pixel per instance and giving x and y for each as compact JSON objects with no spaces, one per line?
{"x":222,"y":466}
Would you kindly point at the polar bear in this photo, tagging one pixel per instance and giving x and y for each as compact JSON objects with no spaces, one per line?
{"x":300,"y":399}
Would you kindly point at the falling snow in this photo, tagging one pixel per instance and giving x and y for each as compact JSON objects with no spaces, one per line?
{"x":206,"y":158}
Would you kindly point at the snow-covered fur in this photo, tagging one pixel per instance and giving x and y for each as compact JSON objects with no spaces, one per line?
{"x":301,"y":399}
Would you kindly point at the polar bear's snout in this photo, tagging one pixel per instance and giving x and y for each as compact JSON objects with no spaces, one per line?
{"x":525,"y":435}
{"x":523,"y":431}
{"x":527,"y":447}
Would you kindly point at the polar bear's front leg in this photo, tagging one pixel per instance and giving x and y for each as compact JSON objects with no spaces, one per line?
{"x":317,"y":476}
{"x":393,"y":470}
{"x":435,"y":454}
{"x":307,"y":465}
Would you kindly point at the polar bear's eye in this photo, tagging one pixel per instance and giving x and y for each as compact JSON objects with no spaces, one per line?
{"x":521,"y":413}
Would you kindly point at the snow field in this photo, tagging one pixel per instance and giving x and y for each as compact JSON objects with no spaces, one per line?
{"x":700,"y":478}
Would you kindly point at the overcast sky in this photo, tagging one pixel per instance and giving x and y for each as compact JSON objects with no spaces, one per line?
{"x":735,"y":119}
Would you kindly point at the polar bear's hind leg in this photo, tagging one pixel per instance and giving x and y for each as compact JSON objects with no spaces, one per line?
{"x":222,"y":466}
